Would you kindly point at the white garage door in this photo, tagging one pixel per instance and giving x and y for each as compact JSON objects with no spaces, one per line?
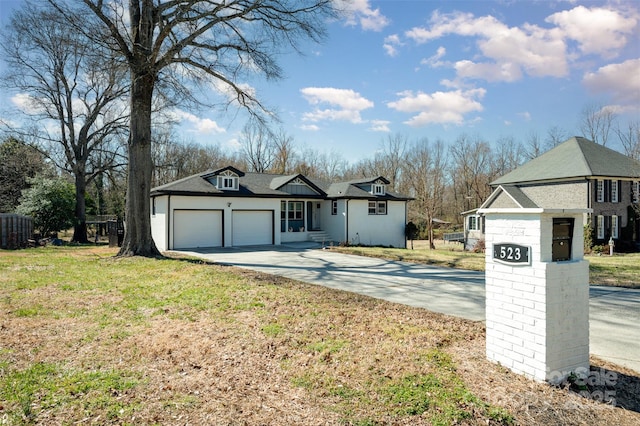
{"x":197,"y":228}
{"x":251,"y":227}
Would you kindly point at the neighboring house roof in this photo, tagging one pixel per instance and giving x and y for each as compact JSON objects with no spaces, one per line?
{"x":264,"y":185}
{"x":574,"y":158}
{"x":508,"y":196}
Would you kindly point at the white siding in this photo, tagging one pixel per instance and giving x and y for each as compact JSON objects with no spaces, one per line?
{"x":159,"y":223}
{"x":372,"y":230}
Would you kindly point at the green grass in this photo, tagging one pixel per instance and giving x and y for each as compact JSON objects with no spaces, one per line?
{"x":622,"y":269}
{"x":45,"y":387}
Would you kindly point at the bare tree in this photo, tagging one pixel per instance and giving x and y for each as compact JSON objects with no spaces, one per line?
{"x":185,"y":45}
{"x":471,"y":171}
{"x":76,"y":86}
{"x":597,"y":122}
{"x":284,"y":154}
{"x":533,"y":145}
{"x":555,"y":136}
{"x":392,"y":158}
{"x":257,"y":145}
{"x":425,"y":171}
{"x":507,"y":156}
{"x":630,"y":139}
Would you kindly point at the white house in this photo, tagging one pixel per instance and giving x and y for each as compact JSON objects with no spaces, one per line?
{"x":227,"y":207}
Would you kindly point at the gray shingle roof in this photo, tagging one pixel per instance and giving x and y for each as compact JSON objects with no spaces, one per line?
{"x":576,"y":157}
{"x":263,"y":185}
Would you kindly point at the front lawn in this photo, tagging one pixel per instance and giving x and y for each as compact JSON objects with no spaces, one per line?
{"x":90,"y":339}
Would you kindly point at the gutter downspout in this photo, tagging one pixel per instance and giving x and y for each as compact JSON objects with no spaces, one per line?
{"x":169,"y":247}
{"x":346,"y":221}
{"x":406,"y":204}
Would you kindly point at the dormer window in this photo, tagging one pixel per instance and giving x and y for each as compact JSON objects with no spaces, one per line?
{"x":227,"y":180}
{"x":377,"y":189}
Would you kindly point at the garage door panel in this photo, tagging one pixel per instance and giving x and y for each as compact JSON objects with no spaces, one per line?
{"x":197,"y":228}
{"x":252,"y":227}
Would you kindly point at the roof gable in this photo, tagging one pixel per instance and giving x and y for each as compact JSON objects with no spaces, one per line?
{"x":288,"y":183}
{"x":576,"y":157}
{"x":217,"y":172}
{"x":508,"y":197}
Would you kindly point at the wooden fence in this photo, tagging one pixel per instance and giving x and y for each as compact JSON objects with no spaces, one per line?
{"x":15,"y":230}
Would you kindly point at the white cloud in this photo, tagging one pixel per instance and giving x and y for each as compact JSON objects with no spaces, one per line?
{"x":508,"y":53}
{"x":310,"y":127}
{"x":621,"y":80}
{"x":380,"y":126}
{"x":359,"y":12}
{"x":25,"y":103}
{"x":346,"y":104}
{"x":434,"y":61}
{"x":597,"y":30}
{"x":439,"y":107}
{"x":202,"y":126}
{"x":391,"y":44}
{"x":526,"y":115}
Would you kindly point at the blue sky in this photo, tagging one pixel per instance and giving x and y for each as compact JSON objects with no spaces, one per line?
{"x":438,"y":69}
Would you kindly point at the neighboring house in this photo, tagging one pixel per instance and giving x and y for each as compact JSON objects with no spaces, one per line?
{"x":227,"y":207}
{"x":473,"y":229}
{"x":579,"y":173}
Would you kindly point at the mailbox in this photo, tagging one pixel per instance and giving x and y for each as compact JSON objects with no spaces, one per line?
{"x":562,"y":235}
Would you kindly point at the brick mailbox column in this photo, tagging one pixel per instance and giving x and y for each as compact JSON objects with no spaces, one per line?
{"x":537,"y":291}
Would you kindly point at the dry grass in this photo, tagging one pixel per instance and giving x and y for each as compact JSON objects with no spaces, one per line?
{"x":91,"y":339}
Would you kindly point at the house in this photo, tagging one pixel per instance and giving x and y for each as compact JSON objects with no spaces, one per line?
{"x":581,"y":174}
{"x":473,"y":232}
{"x":227,"y":207}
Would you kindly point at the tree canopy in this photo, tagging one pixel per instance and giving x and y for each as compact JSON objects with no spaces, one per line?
{"x":50,"y":202}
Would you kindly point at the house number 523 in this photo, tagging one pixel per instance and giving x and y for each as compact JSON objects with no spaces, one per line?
{"x":511,"y":253}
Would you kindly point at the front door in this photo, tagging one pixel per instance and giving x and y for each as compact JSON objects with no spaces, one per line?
{"x":316,"y":216}
{"x":313,"y":215}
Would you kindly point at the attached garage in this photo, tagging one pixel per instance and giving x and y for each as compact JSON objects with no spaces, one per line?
{"x":252,"y":227}
{"x":197,"y":228}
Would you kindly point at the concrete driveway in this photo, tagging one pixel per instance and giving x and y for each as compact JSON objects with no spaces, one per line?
{"x":614,"y":312}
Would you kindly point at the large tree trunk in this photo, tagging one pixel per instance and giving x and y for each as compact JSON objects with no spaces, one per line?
{"x":80,"y":226}
{"x":137,"y":232}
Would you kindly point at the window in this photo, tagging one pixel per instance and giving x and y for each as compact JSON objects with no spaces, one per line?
{"x":334,"y":207}
{"x":377,"y":189}
{"x":153,"y":206}
{"x":473,"y":223}
{"x":377,"y":207}
{"x":614,"y":226}
{"x":228,"y":180}
{"x":291,"y":216}
{"x":600,"y":191}
{"x":600,"y":227}
{"x":614,"y":191}
{"x":295,"y":210}
{"x":636,"y":191}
